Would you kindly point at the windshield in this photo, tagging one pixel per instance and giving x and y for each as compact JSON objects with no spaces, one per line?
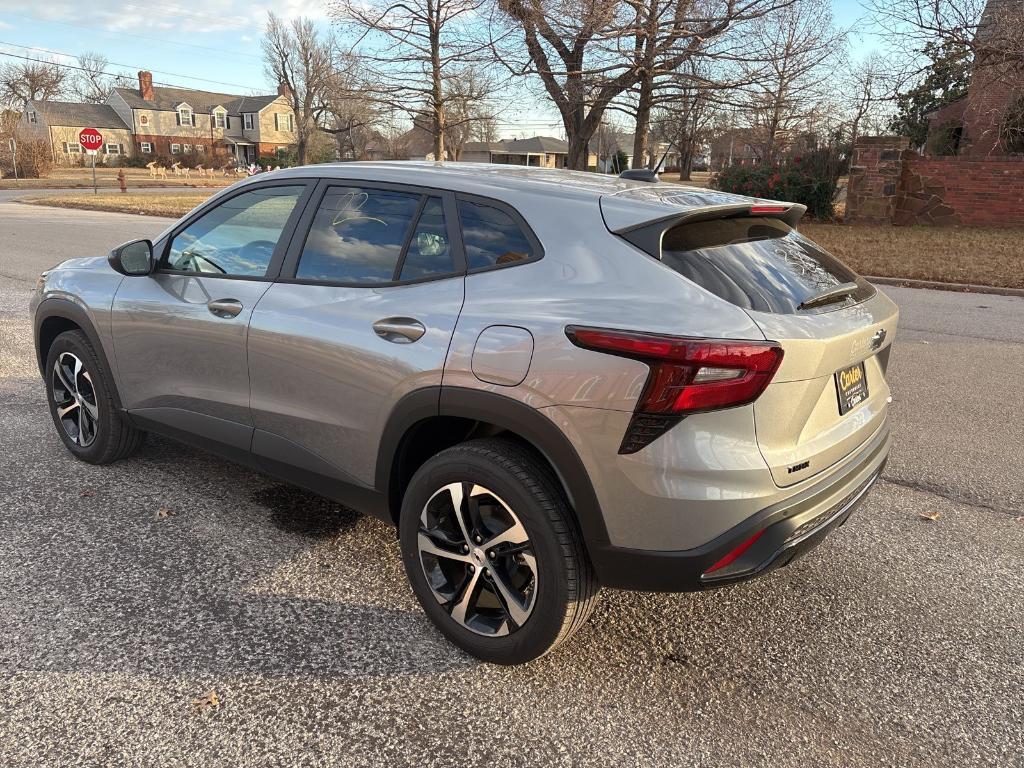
{"x":761,"y":264}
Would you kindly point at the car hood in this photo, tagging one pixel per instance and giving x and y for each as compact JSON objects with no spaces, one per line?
{"x":83,"y":262}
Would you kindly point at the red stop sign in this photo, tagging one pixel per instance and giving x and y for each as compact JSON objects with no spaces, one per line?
{"x":90,"y":138}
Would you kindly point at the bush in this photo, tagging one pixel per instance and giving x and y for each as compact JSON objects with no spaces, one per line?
{"x":809,"y":180}
{"x":34,"y":160}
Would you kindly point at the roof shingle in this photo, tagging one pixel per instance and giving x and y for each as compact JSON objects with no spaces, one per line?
{"x":203,"y":102}
{"x":74,"y":114}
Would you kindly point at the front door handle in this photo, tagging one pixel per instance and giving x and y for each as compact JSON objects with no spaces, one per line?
{"x":399,"y":330}
{"x":224,"y":307}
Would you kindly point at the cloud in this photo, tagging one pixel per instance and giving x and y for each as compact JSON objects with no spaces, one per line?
{"x":141,"y":17}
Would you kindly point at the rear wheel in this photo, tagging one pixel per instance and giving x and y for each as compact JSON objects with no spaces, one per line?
{"x":493,"y":552}
{"x":80,"y":396}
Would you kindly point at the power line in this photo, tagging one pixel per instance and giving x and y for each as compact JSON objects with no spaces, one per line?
{"x":111,"y":63}
{"x":223,"y":54}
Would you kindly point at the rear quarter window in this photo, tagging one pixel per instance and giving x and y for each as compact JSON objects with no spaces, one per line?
{"x":759,"y":264}
{"x":491,"y":236}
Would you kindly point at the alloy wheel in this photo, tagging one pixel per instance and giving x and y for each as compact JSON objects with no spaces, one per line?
{"x":477,"y":559}
{"x":75,"y":396}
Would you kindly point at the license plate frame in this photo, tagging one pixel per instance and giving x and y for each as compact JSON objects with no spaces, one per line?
{"x":851,"y":387}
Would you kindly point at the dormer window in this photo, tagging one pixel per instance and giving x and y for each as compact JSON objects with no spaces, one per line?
{"x":220,"y":119}
{"x":248,"y":120}
{"x":185,"y":115}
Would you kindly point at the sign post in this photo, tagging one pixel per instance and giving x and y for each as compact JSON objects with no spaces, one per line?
{"x":91,"y":141}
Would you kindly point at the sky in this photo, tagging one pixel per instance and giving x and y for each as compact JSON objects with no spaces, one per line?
{"x":214,"y":45}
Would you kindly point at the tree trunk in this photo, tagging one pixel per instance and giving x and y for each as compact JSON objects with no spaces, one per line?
{"x":436,"y":96}
{"x":643,"y":121}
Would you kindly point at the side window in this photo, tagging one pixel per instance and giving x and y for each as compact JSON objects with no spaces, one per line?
{"x":238,"y":237}
{"x":428,"y":252}
{"x":357,"y":235}
{"x":491,"y":236}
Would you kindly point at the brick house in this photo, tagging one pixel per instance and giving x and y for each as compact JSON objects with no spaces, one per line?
{"x":163,"y":121}
{"x":170,"y":121}
{"x":971,"y":126}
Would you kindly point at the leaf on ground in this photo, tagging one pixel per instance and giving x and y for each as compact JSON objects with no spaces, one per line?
{"x":209,"y":701}
{"x":87,"y":494}
{"x":163,"y":513}
{"x":930,"y":515}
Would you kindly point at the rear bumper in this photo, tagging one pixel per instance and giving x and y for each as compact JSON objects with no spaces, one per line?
{"x":784,"y":531}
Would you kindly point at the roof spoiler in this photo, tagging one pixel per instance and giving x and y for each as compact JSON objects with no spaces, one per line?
{"x":647,"y":236}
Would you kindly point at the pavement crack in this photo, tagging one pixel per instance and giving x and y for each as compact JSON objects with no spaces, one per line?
{"x":950,"y":495}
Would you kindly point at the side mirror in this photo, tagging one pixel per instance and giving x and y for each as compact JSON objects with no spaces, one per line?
{"x":133,"y":259}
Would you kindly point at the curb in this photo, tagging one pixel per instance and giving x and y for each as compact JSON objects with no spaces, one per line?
{"x":935,"y":285}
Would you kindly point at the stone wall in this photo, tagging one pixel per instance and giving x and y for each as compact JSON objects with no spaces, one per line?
{"x":892,"y":184}
{"x":874,"y":178}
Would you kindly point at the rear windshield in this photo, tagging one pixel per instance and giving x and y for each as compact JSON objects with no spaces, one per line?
{"x":761,"y":264}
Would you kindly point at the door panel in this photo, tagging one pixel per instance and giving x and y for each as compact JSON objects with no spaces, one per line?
{"x":173,"y":352}
{"x":323,"y":378}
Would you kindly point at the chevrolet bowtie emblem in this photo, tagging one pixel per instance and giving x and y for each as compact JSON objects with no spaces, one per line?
{"x":878,"y":338}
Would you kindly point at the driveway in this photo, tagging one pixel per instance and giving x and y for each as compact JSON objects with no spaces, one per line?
{"x":898,"y":642}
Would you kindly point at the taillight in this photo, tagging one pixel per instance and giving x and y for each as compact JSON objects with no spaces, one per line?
{"x":686,"y":375}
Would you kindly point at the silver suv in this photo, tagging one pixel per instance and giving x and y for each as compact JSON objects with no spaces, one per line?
{"x":548,"y":381}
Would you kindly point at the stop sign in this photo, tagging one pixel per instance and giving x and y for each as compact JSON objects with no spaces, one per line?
{"x":90,"y":139}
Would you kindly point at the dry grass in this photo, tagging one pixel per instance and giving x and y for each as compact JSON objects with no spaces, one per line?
{"x":106,"y":178}
{"x":171,"y":206}
{"x":982,"y":256}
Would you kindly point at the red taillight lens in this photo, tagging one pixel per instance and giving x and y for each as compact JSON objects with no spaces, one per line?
{"x":765,"y":210}
{"x":687,"y":375}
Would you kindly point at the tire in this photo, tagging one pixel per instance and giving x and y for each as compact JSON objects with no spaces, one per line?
{"x":505,"y":483}
{"x":111,"y":436}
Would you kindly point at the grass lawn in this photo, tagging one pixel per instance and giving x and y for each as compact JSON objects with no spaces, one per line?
{"x":157,"y":204}
{"x":963,"y":255}
{"x":72,"y":178}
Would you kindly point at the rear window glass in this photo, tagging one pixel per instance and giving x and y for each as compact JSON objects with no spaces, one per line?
{"x":760,"y":264}
{"x":491,"y":236}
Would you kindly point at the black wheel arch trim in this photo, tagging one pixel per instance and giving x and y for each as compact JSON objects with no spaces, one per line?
{"x":75,"y":313}
{"x":508,"y":414}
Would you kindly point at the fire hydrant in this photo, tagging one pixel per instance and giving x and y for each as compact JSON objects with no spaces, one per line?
{"x":120,"y":180}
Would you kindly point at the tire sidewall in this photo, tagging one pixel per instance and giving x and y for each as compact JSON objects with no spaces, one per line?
{"x":76,"y":343}
{"x":546,"y":620}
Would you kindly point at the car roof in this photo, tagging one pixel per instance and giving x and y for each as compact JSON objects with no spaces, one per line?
{"x":505,"y":182}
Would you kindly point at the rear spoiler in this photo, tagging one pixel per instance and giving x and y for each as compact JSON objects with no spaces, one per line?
{"x":647,"y":235}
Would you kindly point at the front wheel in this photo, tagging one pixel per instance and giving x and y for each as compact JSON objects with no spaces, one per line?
{"x":493,"y":552}
{"x":80,"y":395}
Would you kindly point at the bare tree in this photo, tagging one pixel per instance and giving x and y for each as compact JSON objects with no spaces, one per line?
{"x":423,"y":57}
{"x":296,"y":57}
{"x":589,"y":52}
{"x":868,"y":87}
{"x":797,"y":43}
{"x":33,"y":80}
{"x":684,"y":120}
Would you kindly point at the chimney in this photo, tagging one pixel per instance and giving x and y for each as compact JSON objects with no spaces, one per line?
{"x":284,"y":90}
{"x":146,"y":85}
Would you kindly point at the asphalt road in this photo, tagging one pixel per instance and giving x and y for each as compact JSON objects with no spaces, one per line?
{"x":896,"y":643}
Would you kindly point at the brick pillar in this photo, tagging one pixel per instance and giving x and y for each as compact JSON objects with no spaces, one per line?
{"x":875,"y":178}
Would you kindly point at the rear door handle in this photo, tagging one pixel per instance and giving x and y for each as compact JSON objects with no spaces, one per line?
{"x":399,"y":330}
{"x":224,"y":307}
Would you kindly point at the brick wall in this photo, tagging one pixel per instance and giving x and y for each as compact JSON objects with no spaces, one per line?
{"x":889,"y":183}
{"x":976,"y":192}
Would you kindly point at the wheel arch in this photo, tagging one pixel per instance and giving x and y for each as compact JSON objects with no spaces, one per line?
{"x":53,"y":317}
{"x":428,"y":420}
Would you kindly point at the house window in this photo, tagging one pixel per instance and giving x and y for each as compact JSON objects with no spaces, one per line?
{"x":277,"y":122}
{"x":185,"y":116}
{"x":221,"y":120}
{"x":33,"y":117}
{"x":146,"y":148}
{"x":72,"y":148}
{"x":143,"y":119}
{"x":248,"y":120}
{"x":112,"y":149}
{"x":175,"y":149}
{"x":291,"y":122}
{"x":186,"y":148}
